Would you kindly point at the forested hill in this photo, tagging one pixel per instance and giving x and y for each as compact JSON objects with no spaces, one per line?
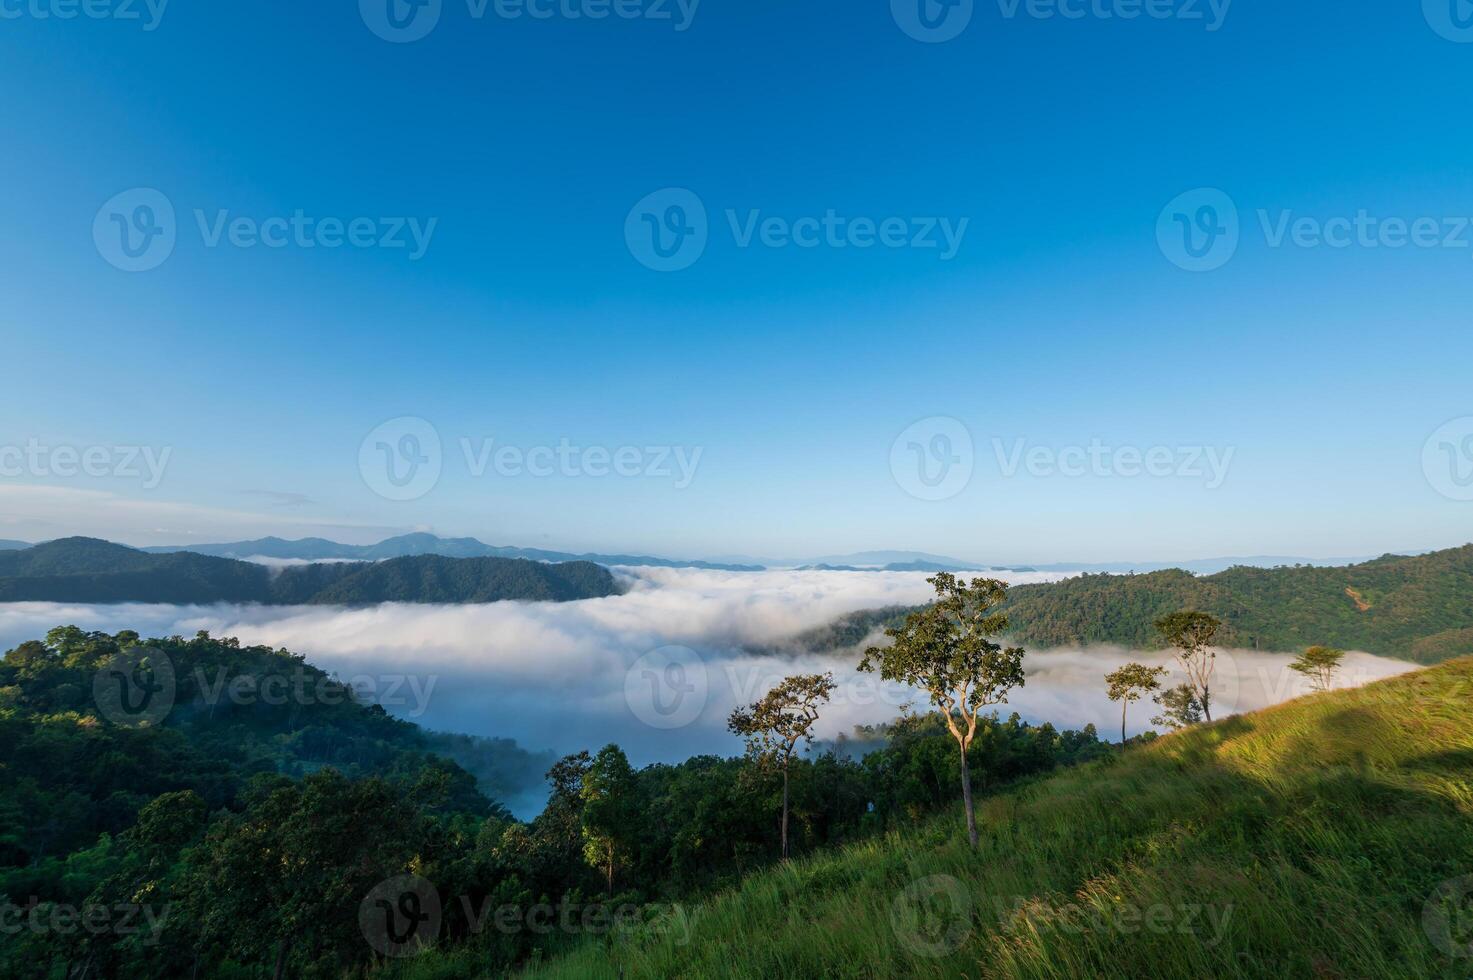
{"x":89,"y":570}
{"x":1418,"y":608}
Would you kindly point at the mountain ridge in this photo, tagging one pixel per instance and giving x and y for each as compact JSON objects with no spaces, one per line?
{"x":420,"y":543}
{"x":93,"y":570}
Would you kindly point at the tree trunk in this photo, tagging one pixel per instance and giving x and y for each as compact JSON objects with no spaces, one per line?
{"x":280,"y":971}
{"x":1206,"y":708}
{"x":785,"y":810}
{"x":1122,"y":725}
{"x":967,"y":799}
{"x":611,"y":867}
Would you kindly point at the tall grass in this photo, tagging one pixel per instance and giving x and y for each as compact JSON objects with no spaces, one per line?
{"x":1301,"y":841}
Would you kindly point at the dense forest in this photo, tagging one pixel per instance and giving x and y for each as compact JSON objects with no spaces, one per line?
{"x":220,"y":832}
{"x":89,"y":570}
{"x":1416,"y":608}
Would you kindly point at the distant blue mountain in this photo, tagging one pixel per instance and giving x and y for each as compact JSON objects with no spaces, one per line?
{"x":12,"y":545}
{"x":407,"y":545}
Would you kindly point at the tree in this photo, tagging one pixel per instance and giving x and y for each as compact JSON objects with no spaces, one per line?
{"x":1128,"y":684}
{"x":610,"y":810}
{"x":280,"y":883}
{"x":774,"y":725}
{"x":1319,"y":665}
{"x":1192,"y":633}
{"x":945,"y":650}
{"x":1179,"y":707}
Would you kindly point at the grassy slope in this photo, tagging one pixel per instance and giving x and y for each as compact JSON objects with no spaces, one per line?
{"x":1314,"y":832}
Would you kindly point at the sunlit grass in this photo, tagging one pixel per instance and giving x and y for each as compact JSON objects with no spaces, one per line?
{"x":1300,"y":841}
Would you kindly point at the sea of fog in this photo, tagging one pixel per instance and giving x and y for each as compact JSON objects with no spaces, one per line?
{"x":656,"y":669}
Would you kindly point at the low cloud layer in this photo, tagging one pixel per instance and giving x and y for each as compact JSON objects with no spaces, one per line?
{"x":656,"y":669}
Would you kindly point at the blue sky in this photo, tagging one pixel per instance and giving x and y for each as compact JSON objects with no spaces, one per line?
{"x":1319,"y":373}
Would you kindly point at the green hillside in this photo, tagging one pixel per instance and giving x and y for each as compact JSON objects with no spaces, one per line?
{"x":1308,"y":840}
{"x":89,"y":570}
{"x":1393,"y":606}
{"x":1418,"y":608}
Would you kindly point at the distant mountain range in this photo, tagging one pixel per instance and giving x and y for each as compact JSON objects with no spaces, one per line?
{"x":920,"y":561}
{"x":89,"y":570}
{"x":909,"y":566}
{"x":405,"y":545}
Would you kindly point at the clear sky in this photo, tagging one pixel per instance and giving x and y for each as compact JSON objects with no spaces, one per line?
{"x":1066,"y":329}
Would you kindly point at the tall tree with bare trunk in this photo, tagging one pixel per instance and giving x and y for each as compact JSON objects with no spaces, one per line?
{"x":1130,"y":683}
{"x":946,"y":650}
{"x":1192,"y":634}
{"x":775,"y":725}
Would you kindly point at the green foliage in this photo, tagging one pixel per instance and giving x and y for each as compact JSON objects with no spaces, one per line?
{"x":784,"y":716}
{"x":251,"y":832}
{"x":1179,"y":707}
{"x":1414,"y":608}
{"x":775,"y":724}
{"x":946,"y":650}
{"x":1319,"y":665}
{"x":1192,"y":635}
{"x":1130,"y":683}
{"x":610,"y":810}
